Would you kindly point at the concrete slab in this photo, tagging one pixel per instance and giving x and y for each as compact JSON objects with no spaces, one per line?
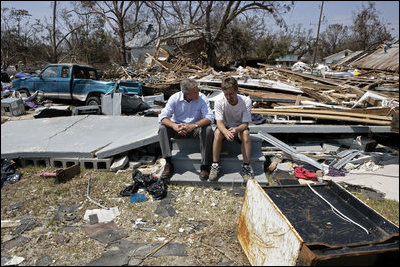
{"x":76,"y":136}
{"x":385,"y":180}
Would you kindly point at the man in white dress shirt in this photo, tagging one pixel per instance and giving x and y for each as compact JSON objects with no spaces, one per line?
{"x":187,"y":114}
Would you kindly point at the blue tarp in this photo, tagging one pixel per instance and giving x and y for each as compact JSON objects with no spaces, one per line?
{"x":21,"y":74}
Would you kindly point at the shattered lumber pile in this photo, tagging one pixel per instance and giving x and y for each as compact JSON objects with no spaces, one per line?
{"x":282,"y":95}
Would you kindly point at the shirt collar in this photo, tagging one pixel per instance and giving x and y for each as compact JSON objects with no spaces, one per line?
{"x":181,"y":96}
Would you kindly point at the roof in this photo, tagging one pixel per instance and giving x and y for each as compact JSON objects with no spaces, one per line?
{"x":338,"y":53}
{"x":380,"y":59}
{"x":352,"y":57}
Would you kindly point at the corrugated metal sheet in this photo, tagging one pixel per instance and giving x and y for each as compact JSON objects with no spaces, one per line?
{"x":353,"y":56}
{"x":380,"y":60}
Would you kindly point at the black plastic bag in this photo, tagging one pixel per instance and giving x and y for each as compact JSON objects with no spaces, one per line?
{"x":158,"y":189}
{"x":155,"y":186}
{"x":8,"y":173}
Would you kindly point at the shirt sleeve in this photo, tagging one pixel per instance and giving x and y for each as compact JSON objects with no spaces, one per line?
{"x":247,"y":112}
{"x":206,"y":111}
{"x":169,"y":109}
{"x":218,"y":109}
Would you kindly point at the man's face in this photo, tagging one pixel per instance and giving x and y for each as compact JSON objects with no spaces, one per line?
{"x":231,"y":96}
{"x":193,"y":94}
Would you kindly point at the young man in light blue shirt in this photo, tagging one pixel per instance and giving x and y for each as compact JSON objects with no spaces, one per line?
{"x":187,"y":114}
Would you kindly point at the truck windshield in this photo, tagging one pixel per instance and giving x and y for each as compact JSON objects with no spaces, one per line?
{"x":50,"y":72}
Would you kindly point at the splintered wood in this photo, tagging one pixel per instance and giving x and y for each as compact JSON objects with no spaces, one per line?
{"x":279,"y":92}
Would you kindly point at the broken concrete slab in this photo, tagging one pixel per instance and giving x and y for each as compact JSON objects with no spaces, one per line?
{"x":119,"y":164}
{"x":104,"y":232}
{"x":126,"y":246}
{"x":14,"y":206}
{"x":44,"y":261}
{"x":111,"y":258}
{"x":27,"y":223}
{"x":66,"y":212}
{"x":385,"y":180}
{"x":85,"y":136}
{"x":11,"y":260}
{"x":19,"y":240}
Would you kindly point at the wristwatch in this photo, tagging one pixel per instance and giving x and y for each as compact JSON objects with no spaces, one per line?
{"x":196,"y":125}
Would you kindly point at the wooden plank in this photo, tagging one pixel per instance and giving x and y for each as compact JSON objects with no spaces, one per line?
{"x":329,"y":112}
{"x":316,"y":95}
{"x":328,"y":117}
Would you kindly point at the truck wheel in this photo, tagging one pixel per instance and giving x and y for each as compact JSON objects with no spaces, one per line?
{"x":93,"y":101}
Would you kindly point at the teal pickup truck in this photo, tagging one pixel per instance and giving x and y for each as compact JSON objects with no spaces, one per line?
{"x":73,"y":82}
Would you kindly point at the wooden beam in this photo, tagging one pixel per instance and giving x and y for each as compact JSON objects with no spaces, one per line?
{"x":328,"y":117}
{"x":326,"y":112}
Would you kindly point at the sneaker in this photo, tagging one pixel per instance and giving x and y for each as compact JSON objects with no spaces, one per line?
{"x":214,"y":172}
{"x":246,"y":172}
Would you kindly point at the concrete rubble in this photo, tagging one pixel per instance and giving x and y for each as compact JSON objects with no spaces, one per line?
{"x":338,"y":127}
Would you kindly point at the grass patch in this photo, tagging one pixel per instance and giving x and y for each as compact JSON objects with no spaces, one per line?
{"x":387,"y":208}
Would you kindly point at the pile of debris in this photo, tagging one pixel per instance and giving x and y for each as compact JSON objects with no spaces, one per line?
{"x":368,"y":97}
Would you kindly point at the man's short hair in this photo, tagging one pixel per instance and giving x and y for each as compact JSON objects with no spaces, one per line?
{"x":187,"y":84}
{"x":229,"y":82}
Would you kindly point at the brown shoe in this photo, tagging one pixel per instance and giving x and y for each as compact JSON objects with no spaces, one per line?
{"x":168,"y":171}
{"x":204,"y":172}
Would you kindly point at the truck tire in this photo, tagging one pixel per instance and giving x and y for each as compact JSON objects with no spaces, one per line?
{"x":93,"y":101}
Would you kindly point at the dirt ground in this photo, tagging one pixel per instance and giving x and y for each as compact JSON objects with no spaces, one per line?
{"x":203,"y":220}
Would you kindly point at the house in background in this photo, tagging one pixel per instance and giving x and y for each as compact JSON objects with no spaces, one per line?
{"x":143,"y":43}
{"x":384,"y":58}
{"x":336,"y":57}
{"x":287,"y":61}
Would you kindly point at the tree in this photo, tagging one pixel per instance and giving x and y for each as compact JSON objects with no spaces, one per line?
{"x":56,"y":37}
{"x":116,"y":14}
{"x":215,"y":17}
{"x":368,"y":30}
{"x":334,"y":39}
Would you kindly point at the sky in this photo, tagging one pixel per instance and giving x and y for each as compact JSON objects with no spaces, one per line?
{"x":304,"y":12}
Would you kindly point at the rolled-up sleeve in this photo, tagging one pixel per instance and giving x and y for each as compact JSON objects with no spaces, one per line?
{"x":168,"y":110}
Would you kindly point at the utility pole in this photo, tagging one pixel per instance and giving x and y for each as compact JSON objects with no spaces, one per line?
{"x":316,"y":41}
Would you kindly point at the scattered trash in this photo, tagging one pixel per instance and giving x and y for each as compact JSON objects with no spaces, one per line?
{"x":103,"y":215}
{"x":135,"y":197}
{"x":305,"y":174}
{"x":8,"y":173}
{"x":157,"y":187}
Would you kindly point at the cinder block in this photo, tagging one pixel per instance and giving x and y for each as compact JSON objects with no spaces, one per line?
{"x":45,"y":162}
{"x":12,"y":107}
{"x":96,"y":164}
{"x":63,"y":162}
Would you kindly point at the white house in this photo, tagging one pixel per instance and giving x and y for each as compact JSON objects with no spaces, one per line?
{"x":336,"y":57}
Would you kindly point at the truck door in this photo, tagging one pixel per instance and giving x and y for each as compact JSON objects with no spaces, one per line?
{"x":64,"y":83}
{"x":47,"y":82}
{"x":79,"y":83}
